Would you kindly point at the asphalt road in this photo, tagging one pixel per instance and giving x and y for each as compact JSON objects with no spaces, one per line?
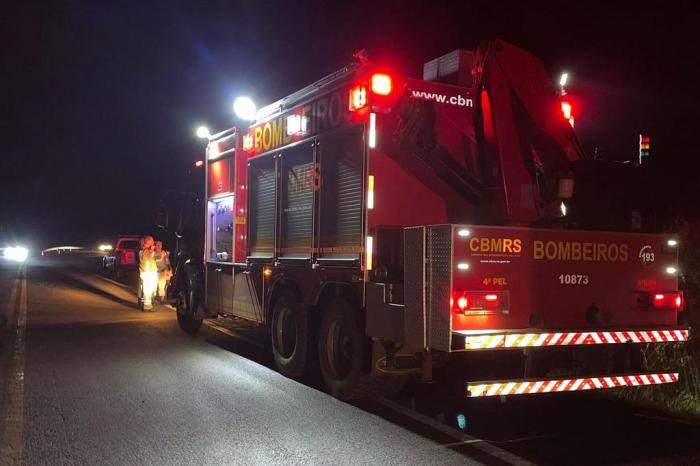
{"x":85,"y":378}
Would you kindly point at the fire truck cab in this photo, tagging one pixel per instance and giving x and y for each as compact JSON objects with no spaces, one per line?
{"x":369,"y":219}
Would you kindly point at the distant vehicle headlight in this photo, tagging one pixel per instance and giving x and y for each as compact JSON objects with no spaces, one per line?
{"x":105,"y":247}
{"x":16,"y":253}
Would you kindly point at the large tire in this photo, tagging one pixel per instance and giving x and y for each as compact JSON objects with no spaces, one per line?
{"x":290,"y":336}
{"x":340,"y":348}
{"x":185,"y":314}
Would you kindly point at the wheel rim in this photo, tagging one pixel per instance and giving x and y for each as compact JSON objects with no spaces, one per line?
{"x":339,"y":349}
{"x":285,"y":332}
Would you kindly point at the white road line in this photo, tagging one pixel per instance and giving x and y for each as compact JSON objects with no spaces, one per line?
{"x":460,"y":437}
{"x":13,"y":420}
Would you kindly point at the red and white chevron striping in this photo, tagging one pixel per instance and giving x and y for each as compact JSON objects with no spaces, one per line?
{"x":523,"y":340}
{"x":567,"y":385}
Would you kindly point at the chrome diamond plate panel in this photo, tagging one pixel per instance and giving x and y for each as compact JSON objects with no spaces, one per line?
{"x":414,"y":287}
{"x":439,"y":286}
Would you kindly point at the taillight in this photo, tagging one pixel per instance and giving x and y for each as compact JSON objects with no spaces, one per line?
{"x":463,"y":303}
{"x":667,"y":301}
{"x":381,"y":84}
{"x":477,"y":302}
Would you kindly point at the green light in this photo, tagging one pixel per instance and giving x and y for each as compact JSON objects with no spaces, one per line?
{"x":462,"y":421}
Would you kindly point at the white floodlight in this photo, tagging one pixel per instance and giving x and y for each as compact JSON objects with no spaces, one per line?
{"x":244,"y":108}
{"x":563,"y":79}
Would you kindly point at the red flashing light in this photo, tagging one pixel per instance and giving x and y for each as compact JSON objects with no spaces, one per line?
{"x":381,"y":84}
{"x":462,"y":303}
{"x":476,"y":302}
{"x":199,"y":163}
{"x":566,"y":109}
{"x":668,"y":301}
{"x":358,"y":98}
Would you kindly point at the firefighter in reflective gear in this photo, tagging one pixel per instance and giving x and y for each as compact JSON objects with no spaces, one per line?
{"x":148,"y":273}
{"x":162,"y":258}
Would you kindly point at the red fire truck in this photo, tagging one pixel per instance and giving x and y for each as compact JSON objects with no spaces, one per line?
{"x":381,"y":224}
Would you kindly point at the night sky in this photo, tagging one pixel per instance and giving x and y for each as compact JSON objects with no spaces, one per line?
{"x":101,"y":99}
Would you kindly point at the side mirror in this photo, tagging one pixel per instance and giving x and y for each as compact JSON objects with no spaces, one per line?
{"x":162,"y":217}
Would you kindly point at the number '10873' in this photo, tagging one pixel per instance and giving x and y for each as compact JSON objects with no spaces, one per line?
{"x":573,"y":279}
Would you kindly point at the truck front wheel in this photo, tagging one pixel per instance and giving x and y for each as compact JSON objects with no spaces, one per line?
{"x":290,"y":330}
{"x":340,"y":346}
{"x":185,"y":313}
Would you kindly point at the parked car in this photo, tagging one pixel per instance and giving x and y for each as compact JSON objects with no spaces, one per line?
{"x":122,"y":260}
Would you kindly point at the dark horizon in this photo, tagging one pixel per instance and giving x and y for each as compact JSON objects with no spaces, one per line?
{"x":103,"y":100}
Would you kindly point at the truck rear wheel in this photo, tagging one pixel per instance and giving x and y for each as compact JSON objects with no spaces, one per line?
{"x":290,"y":335}
{"x":340,"y":347}
{"x":185,"y":313}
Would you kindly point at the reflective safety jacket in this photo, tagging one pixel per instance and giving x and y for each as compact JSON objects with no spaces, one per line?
{"x":147,"y":262}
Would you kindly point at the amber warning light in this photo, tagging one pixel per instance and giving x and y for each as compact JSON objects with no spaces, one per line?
{"x":358,"y":98}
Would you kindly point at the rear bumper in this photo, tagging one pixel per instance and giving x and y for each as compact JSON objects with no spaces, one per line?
{"x":549,"y":385}
{"x":464,"y":340}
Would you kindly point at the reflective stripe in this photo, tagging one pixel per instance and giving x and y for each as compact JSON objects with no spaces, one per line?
{"x":550,"y":386}
{"x":524,"y":340}
{"x":526,"y":387}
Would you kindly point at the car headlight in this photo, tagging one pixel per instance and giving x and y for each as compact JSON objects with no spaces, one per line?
{"x":16,"y":253}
